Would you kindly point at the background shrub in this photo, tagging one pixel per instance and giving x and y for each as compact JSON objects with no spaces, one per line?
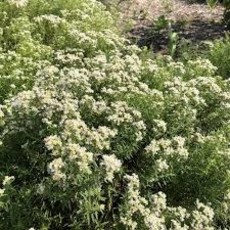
{"x":219,"y":56}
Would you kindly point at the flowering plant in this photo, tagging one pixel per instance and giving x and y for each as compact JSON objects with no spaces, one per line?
{"x":96,"y":135}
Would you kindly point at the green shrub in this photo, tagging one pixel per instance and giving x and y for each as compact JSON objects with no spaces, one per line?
{"x":95,"y":137}
{"x":220,"y":56}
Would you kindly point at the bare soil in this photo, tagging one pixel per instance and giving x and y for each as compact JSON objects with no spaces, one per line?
{"x":195,"y":22}
{"x":177,"y":10}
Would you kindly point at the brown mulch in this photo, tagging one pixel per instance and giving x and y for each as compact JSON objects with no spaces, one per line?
{"x":196,"y":22}
{"x":176,"y":10}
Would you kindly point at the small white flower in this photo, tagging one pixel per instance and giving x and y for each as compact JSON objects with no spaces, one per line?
{"x":55,"y":169}
{"x":53,"y":142}
{"x":1,"y":113}
{"x":2,"y":190}
{"x":161,"y":165}
{"x":8,"y":180}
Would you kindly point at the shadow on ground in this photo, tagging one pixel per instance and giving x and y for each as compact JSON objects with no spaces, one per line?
{"x":196,"y":31}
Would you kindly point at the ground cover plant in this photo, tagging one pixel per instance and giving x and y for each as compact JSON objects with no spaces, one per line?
{"x":97,"y":134}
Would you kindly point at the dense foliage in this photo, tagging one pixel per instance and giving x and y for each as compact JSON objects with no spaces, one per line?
{"x":96,"y":134}
{"x":220,"y":55}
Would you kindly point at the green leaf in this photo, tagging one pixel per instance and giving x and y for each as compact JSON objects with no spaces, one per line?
{"x":212,"y":3}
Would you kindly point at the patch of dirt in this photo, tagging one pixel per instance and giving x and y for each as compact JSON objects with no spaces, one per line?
{"x":196,"y":22}
{"x":196,"y":32}
{"x":176,"y":10}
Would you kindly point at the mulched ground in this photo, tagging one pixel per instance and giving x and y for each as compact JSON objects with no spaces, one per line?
{"x":195,"y":22}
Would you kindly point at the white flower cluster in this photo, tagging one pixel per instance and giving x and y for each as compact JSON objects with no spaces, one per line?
{"x":180,"y":217}
{"x":100,"y":137}
{"x":153,"y":212}
{"x":201,"y":67}
{"x":123,"y":114}
{"x":112,"y":165}
{"x":2,"y":191}
{"x":160,"y":127}
{"x":8,"y":180}
{"x":55,"y":100}
{"x":18,"y":3}
{"x":137,"y":205}
{"x":202,"y":218}
{"x":166,"y":150}
{"x":55,"y":169}
{"x":135,"y":202}
{"x":53,"y":19}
